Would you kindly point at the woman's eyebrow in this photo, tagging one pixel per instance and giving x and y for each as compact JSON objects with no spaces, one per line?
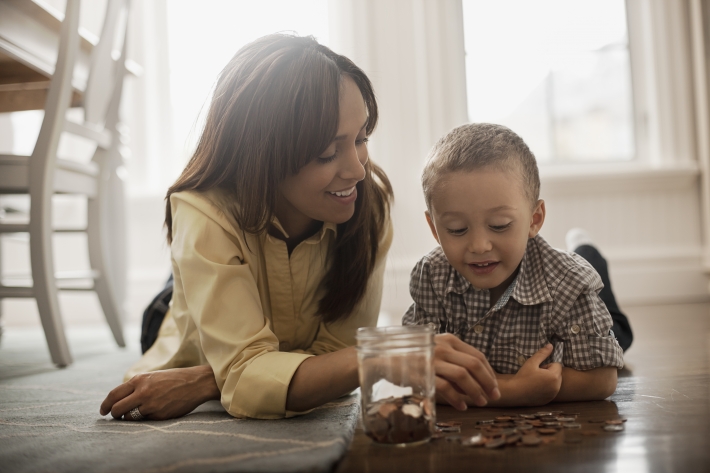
{"x":342,"y":137}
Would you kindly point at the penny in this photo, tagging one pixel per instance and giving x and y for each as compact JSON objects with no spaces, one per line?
{"x":453,"y":429}
{"x":548,"y":418}
{"x":524,"y":427}
{"x":547,"y":431}
{"x":387,"y":409}
{"x":504,"y":418}
{"x":495,"y":443}
{"x":552,"y":424}
{"x":483,"y":422}
{"x":614,"y":422}
{"x":475,"y":441}
{"x":512,"y":439}
{"x":566,"y":419}
{"x":531,"y":440}
{"x":613,"y":428}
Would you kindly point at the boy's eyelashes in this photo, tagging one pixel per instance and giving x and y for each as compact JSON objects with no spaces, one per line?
{"x":495,"y":228}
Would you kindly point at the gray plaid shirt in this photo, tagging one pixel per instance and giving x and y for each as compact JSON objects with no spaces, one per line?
{"x":553,"y":299}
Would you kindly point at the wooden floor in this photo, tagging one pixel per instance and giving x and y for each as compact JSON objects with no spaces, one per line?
{"x":664,"y":392}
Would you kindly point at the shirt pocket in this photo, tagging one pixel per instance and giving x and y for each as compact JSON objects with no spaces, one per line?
{"x":508,"y":358}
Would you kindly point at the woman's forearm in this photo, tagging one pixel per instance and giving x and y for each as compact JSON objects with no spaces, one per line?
{"x":591,"y":385}
{"x":322,"y":378}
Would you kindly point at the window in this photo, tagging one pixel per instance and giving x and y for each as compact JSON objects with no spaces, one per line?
{"x":556,"y":72}
{"x":203,"y":37}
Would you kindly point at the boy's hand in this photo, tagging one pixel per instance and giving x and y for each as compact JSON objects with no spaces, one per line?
{"x":538,"y":385}
{"x":461,"y":372}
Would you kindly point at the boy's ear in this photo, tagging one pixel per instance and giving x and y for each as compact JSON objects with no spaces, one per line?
{"x":431,"y":225}
{"x":538,"y":218}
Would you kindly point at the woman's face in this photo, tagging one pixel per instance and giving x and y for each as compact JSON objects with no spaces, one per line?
{"x":324,"y":189}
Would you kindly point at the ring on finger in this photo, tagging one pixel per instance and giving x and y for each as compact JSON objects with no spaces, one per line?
{"x":135,"y":414}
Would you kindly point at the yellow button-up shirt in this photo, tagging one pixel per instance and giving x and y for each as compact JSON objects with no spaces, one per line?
{"x":244,"y":306}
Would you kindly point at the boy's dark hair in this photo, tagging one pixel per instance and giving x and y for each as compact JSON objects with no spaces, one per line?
{"x":478,"y":145}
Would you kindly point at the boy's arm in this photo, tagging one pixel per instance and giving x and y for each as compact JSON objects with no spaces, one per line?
{"x":532,"y":385}
{"x":591,"y":385}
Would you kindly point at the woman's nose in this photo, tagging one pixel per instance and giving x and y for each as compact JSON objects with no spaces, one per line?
{"x":354,"y":163}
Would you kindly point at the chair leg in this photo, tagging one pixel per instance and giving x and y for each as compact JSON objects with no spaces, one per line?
{"x":44,"y":284}
{"x":98,"y":255}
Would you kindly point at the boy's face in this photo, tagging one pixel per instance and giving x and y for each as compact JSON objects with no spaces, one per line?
{"x":483,"y":220}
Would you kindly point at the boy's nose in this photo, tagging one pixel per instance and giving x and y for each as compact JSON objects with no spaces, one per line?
{"x":479,"y":243}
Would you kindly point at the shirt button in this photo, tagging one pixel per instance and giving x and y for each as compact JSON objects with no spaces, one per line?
{"x":284,"y":346}
{"x":575,"y":329}
{"x":478,"y":329}
{"x":521,"y":360}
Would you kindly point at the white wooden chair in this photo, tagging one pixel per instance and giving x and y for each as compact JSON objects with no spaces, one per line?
{"x":43,"y":174}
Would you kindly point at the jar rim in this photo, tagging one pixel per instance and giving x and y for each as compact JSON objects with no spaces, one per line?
{"x":394,"y":332}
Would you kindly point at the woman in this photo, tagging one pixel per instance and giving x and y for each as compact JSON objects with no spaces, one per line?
{"x":279,"y":226}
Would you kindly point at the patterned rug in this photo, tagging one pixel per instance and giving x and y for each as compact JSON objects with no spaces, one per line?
{"x":49,"y":420}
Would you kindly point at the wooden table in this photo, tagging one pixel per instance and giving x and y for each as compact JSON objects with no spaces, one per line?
{"x":664,"y":392}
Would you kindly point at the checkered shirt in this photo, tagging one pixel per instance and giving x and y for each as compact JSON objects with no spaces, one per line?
{"x":553,"y":299}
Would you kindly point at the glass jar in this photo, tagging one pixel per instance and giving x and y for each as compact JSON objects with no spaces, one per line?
{"x":397,"y":383}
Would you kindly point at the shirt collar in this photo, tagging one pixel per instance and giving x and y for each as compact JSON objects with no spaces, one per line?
{"x":315,"y":238}
{"x":531,"y":288}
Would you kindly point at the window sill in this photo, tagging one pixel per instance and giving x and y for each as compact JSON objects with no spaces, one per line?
{"x":611,"y":177}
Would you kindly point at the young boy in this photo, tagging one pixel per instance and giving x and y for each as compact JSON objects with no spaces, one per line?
{"x":495,"y":283}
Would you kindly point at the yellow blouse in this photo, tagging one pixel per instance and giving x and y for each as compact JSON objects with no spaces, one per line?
{"x":243,"y":306}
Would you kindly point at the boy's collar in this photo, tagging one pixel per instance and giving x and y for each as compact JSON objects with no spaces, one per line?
{"x":531,"y":287}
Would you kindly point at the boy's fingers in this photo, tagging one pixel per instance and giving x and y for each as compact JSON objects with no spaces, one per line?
{"x":540,"y":355}
{"x":464,"y":347}
{"x":477,"y":370}
{"x":555,"y":368}
{"x":448,"y":393}
{"x":459,"y":376}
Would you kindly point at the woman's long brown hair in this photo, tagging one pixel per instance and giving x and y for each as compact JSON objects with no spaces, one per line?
{"x":275,"y":107}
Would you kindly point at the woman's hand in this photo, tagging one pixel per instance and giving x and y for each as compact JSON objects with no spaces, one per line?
{"x":462,"y":372}
{"x":161,"y":395}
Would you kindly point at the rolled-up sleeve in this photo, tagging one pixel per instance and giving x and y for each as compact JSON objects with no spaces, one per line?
{"x":222,"y":299}
{"x":588,"y":343}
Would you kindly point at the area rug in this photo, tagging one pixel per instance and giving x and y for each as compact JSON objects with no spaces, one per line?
{"x":49,"y":420}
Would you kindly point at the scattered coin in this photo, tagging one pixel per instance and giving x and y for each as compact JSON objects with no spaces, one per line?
{"x":566,"y":419}
{"x":614,"y":422}
{"x":475,"y":441}
{"x":613,"y":428}
{"x":572,"y":425}
{"x":547,"y":431}
{"x":531,"y":440}
{"x":495,"y":443}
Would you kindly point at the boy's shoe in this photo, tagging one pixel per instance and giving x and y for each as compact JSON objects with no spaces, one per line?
{"x":577,"y":237}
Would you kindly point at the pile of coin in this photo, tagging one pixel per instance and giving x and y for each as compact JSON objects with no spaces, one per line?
{"x":399,"y":420}
{"x":529,"y":430}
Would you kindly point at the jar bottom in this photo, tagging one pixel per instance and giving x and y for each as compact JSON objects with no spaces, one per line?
{"x":402,"y":445}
